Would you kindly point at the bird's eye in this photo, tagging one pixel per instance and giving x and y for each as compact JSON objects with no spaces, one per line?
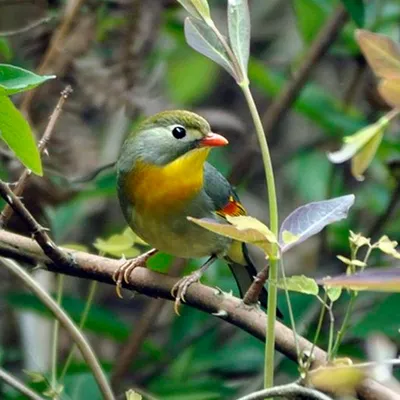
{"x":179,"y":132}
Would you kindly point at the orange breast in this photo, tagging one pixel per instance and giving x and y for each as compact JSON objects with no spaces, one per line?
{"x":161,"y":190}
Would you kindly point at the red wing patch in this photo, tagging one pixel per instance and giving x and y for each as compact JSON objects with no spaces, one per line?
{"x":232,"y":208}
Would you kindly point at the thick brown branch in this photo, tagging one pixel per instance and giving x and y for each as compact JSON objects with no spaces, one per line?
{"x":19,"y":187}
{"x":209,"y":300}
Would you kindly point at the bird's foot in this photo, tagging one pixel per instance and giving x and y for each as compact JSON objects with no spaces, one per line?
{"x":122,"y":273}
{"x":180,"y":288}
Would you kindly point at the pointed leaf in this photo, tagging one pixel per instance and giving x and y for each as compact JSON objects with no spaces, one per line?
{"x":373,"y":279}
{"x":310,"y":219}
{"x":300,"y":283}
{"x":117,"y":246}
{"x":239,"y":31}
{"x":390,"y":91}
{"x":132,"y":395}
{"x":197,"y":8}
{"x":361,"y":161}
{"x":16,"y":132}
{"x":388,"y":246}
{"x":381,"y":52}
{"x":333,"y":293}
{"x":203,"y":39}
{"x":15,"y":80}
{"x":244,"y":229}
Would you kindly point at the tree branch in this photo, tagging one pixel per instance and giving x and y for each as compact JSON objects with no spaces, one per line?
{"x":207,"y":299}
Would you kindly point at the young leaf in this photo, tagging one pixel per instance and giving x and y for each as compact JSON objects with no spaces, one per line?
{"x":333,"y":293}
{"x":239,"y":31}
{"x":390,"y":91}
{"x":132,"y":395}
{"x":356,"y":9}
{"x":197,"y":8}
{"x":300,"y":283}
{"x":381,"y":52}
{"x":15,"y":80}
{"x":244,"y":229}
{"x":373,"y":279}
{"x":388,"y":247}
{"x":16,"y":132}
{"x":204,"y":40}
{"x":310,"y":219}
{"x":117,"y":246}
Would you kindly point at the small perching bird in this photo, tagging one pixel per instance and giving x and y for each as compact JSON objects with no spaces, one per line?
{"x":163,"y":178}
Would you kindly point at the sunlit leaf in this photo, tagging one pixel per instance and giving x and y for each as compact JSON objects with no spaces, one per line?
{"x":117,"y":246}
{"x":299,"y":283}
{"x":356,"y":263}
{"x":390,"y":91}
{"x":203,"y":39}
{"x":289,"y":237}
{"x":132,"y":395}
{"x":358,"y":240}
{"x":333,"y":293}
{"x":16,"y":132}
{"x":336,"y":379}
{"x":15,"y":80}
{"x":388,"y":246}
{"x":373,"y":279}
{"x":245,"y":229}
{"x":356,"y":9}
{"x":197,"y":8}
{"x":132,"y":235}
{"x":34,"y":376}
{"x":239,"y":31}
{"x":381,"y":52}
{"x":310,"y":219}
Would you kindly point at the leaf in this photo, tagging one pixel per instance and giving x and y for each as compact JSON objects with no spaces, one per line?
{"x":336,"y":379}
{"x":361,"y":161}
{"x":289,"y":237}
{"x":197,"y":8}
{"x":299,"y":283}
{"x":132,"y":395}
{"x":203,"y":39}
{"x":388,"y":246}
{"x":117,"y":246}
{"x":5,"y":49}
{"x":310,"y":219}
{"x":239,"y":31}
{"x":245,"y":229}
{"x":390,"y":91}
{"x":356,"y":9}
{"x":333,"y":293}
{"x":16,"y":132}
{"x":373,"y":279}
{"x":381,"y":52}
{"x":16,"y":80}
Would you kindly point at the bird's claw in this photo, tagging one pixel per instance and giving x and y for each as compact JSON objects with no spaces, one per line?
{"x":180,"y":288}
{"x":122,"y":274}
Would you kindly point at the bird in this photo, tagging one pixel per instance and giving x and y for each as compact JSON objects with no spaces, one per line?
{"x":163,"y":178}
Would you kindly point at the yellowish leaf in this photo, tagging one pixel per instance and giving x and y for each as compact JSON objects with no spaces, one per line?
{"x":244,"y":229}
{"x":388,"y":246}
{"x":336,"y":379}
{"x":289,"y":237}
{"x":135,"y":238}
{"x":381,"y":52}
{"x":333,"y":292}
{"x":299,"y":283}
{"x":390,"y":91}
{"x":358,"y":240}
{"x":132,"y":395}
{"x":117,"y":246}
{"x":347,"y":261}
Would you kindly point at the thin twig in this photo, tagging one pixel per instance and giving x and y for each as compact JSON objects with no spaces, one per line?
{"x":26,"y":28}
{"x":55,"y":47}
{"x":18,"y":385}
{"x":59,"y":257}
{"x":151,"y":283}
{"x":20,"y":186}
{"x":289,"y":390}
{"x":66,"y":322}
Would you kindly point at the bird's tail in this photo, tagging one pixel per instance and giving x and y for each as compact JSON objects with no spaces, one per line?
{"x":244,"y":273}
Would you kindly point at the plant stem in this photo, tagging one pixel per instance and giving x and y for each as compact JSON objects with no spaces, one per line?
{"x":56,"y":328}
{"x":89,"y":302}
{"x":273,"y":218}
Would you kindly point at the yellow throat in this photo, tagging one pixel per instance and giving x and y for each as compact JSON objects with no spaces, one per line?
{"x":161,"y":190}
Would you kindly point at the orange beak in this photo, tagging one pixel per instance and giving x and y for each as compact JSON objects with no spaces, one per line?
{"x":213,"y":140}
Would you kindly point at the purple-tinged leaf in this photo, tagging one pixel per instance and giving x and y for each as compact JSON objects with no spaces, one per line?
{"x":373,"y":279}
{"x":308,"y":220}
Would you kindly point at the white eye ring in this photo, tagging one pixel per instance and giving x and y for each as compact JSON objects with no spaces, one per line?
{"x":178,"y":131}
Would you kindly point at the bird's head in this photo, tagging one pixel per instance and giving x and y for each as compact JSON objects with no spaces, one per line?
{"x":168,"y":135}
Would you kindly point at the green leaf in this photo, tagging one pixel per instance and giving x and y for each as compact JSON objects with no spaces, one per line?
{"x":120,"y":245}
{"x":5,"y":49}
{"x":239,"y":31}
{"x":333,"y":293}
{"x":16,"y":132}
{"x":203,"y":39}
{"x":245,"y":229}
{"x":356,"y":9}
{"x":16,"y":80}
{"x":197,"y":8}
{"x":299,"y":283}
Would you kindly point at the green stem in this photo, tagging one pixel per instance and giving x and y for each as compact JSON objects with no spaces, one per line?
{"x":331,"y":331}
{"x":88,"y":305}
{"x":56,"y":328}
{"x":273,"y":218}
